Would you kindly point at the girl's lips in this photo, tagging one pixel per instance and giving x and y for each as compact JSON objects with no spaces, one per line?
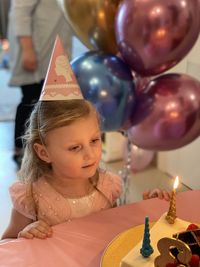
{"x":89,"y":165}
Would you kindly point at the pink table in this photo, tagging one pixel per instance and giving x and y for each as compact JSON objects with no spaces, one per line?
{"x":80,"y":243}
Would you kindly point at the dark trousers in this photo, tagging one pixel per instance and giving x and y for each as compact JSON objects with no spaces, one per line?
{"x":30,"y":96}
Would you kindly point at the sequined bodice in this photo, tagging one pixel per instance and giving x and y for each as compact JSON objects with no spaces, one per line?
{"x":81,"y":206}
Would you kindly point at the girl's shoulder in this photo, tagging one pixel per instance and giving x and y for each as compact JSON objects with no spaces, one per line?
{"x":108,"y":177}
{"x":18,"y":189}
{"x":21,"y":196}
{"x":110,"y":182}
{"x":21,"y":188}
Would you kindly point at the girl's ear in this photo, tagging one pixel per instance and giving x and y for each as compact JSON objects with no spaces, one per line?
{"x":42,"y":152}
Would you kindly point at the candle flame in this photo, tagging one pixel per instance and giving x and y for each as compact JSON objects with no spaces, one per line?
{"x":176,"y":182}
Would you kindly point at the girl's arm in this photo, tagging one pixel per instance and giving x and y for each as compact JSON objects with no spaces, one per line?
{"x":17,"y":223}
{"x":21,"y":226}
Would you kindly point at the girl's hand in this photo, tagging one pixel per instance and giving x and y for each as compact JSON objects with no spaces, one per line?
{"x":38,"y":229}
{"x":161,"y":194}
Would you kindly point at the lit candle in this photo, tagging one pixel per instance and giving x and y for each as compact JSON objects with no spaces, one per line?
{"x":171,"y":215}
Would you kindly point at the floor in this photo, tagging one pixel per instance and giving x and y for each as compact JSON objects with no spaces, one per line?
{"x":149,"y":178}
{"x":7,"y":171}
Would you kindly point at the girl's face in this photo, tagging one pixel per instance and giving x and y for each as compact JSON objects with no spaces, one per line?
{"x":74,"y":151}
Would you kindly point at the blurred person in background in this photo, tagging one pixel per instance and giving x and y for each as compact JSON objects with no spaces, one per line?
{"x":33,"y":27}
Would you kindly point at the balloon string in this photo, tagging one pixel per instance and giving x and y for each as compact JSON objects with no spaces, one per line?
{"x":125,"y":174}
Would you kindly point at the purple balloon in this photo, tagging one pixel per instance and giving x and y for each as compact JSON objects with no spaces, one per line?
{"x":141,"y":83}
{"x":155,"y":35}
{"x":167,"y":114}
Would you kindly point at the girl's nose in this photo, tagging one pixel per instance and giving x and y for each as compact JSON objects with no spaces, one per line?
{"x":89,"y":153}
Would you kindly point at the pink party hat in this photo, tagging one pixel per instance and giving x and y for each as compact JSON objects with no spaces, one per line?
{"x":60,"y":82}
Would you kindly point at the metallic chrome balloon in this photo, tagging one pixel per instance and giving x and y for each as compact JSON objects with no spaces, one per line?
{"x":155,"y":35}
{"x":107,"y":82}
{"x":141,"y":82}
{"x":167,"y":114}
{"x":93,"y":22}
{"x":140,"y":158}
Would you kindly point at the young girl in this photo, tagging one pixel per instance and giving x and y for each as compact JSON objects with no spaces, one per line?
{"x":60,"y":175}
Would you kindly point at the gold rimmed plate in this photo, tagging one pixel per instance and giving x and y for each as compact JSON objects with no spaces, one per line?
{"x":121,"y":245}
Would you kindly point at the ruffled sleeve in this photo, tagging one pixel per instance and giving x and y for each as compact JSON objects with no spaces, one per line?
{"x":111,"y":185}
{"x":22,"y":201}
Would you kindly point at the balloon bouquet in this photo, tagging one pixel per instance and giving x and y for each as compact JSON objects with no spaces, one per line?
{"x":132,"y":43}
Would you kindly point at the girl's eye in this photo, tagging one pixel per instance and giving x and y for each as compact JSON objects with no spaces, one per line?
{"x":75,"y":148}
{"x":95,"y":140}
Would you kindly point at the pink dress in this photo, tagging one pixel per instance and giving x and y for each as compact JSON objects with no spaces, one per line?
{"x":53,"y":208}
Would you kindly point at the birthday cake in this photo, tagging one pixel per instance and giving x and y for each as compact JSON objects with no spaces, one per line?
{"x":161,"y":229}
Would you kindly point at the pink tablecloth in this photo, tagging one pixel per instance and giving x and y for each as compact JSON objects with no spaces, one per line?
{"x":80,"y":243}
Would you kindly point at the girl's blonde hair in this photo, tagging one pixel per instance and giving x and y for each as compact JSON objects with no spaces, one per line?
{"x":46,"y":116}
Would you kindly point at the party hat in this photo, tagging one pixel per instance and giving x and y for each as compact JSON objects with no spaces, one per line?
{"x":60,"y":82}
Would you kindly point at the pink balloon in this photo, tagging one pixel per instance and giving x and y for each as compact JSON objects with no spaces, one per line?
{"x":140,"y":158}
{"x":155,"y":35}
{"x":167,"y":115}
